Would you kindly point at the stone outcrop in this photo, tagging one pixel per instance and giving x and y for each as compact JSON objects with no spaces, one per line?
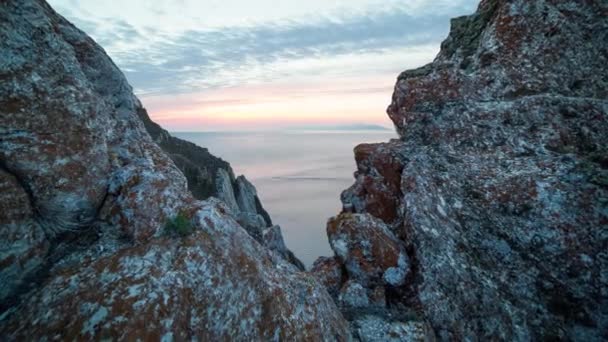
{"x":100,"y":237}
{"x":370,"y":252}
{"x":209,"y":176}
{"x":244,"y":205}
{"x":272,"y":238}
{"x":497,"y":188}
{"x":197,"y":164}
{"x":329,"y":271}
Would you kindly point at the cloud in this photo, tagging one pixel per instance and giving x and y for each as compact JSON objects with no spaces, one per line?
{"x":157,"y":62}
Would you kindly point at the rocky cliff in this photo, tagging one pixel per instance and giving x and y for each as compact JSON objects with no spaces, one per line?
{"x":209,"y":176}
{"x":488,"y":218}
{"x":100,"y":237}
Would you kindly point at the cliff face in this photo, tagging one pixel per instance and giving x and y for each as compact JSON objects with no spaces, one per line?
{"x":497,"y":190}
{"x":209,"y":176}
{"x":99,"y":235}
{"x":201,"y":168}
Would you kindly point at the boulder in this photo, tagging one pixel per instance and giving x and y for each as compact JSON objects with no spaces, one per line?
{"x":101,"y":238}
{"x":371,"y":328}
{"x":378,"y":187}
{"x":353,"y":295}
{"x":369,"y":251}
{"x":214,"y":284}
{"x":329,"y":271}
{"x":502,"y":185}
{"x":23,"y":243}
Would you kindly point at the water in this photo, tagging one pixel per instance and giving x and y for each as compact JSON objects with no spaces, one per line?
{"x":299,"y":176}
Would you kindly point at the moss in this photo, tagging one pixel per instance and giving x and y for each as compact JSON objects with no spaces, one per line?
{"x":179,"y":225}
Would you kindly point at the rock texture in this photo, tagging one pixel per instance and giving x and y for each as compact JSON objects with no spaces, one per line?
{"x":498,"y":186}
{"x":329,"y":271}
{"x":86,"y":195}
{"x":370,"y":252}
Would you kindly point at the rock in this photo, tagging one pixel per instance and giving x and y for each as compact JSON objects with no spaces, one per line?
{"x":23,"y":244}
{"x":328,"y":270}
{"x":369,"y":251}
{"x":375,"y":328}
{"x":225,"y":191}
{"x":377,"y":297}
{"x":198,"y":165}
{"x":248,"y":201}
{"x":207,"y":286}
{"x":272,"y":238}
{"x":241,"y":197}
{"x":378,"y":187}
{"x":209,"y":176}
{"x":253,"y":223}
{"x":87,"y":204}
{"x":502,"y":185}
{"x":246,"y":195}
{"x":353,"y":295}
{"x":243,"y":202}
{"x":495,"y":55}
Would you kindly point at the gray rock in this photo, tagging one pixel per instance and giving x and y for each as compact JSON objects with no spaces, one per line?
{"x":85,"y":198}
{"x":369,"y":251}
{"x":225,"y":191}
{"x":497,"y":185}
{"x":253,"y":223}
{"x":246,"y":195}
{"x":198,"y":165}
{"x":329,"y":271}
{"x":245,"y":207}
{"x":372,"y":328}
{"x":272,"y":238}
{"x":353,"y":295}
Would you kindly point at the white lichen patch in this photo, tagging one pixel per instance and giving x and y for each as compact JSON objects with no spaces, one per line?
{"x":90,"y":325}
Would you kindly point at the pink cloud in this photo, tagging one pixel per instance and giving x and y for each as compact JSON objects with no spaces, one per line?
{"x":340,"y":101}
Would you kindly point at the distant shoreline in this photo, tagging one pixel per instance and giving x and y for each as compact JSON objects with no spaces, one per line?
{"x":304,"y":129}
{"x":288,"y":130}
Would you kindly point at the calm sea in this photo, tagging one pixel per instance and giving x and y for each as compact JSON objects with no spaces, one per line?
{"x":299,"y":176}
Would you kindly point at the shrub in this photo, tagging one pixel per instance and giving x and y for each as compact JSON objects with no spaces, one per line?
{"x":179,"y":225}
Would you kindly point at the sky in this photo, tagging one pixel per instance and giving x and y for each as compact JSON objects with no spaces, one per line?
{"x":217,"y":65}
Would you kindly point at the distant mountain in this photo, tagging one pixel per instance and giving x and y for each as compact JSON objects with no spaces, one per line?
{"x":349,"y":127}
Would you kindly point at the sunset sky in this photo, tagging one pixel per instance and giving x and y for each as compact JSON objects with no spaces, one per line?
{"x":244,"y":64}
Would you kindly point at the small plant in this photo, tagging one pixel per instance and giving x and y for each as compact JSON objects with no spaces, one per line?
{"x":179,"y":225}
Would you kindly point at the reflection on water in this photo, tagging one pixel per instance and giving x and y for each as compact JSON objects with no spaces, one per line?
{"x":299,"y":176}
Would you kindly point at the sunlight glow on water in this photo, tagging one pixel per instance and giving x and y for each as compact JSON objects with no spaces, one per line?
{"x":299,"y":176}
